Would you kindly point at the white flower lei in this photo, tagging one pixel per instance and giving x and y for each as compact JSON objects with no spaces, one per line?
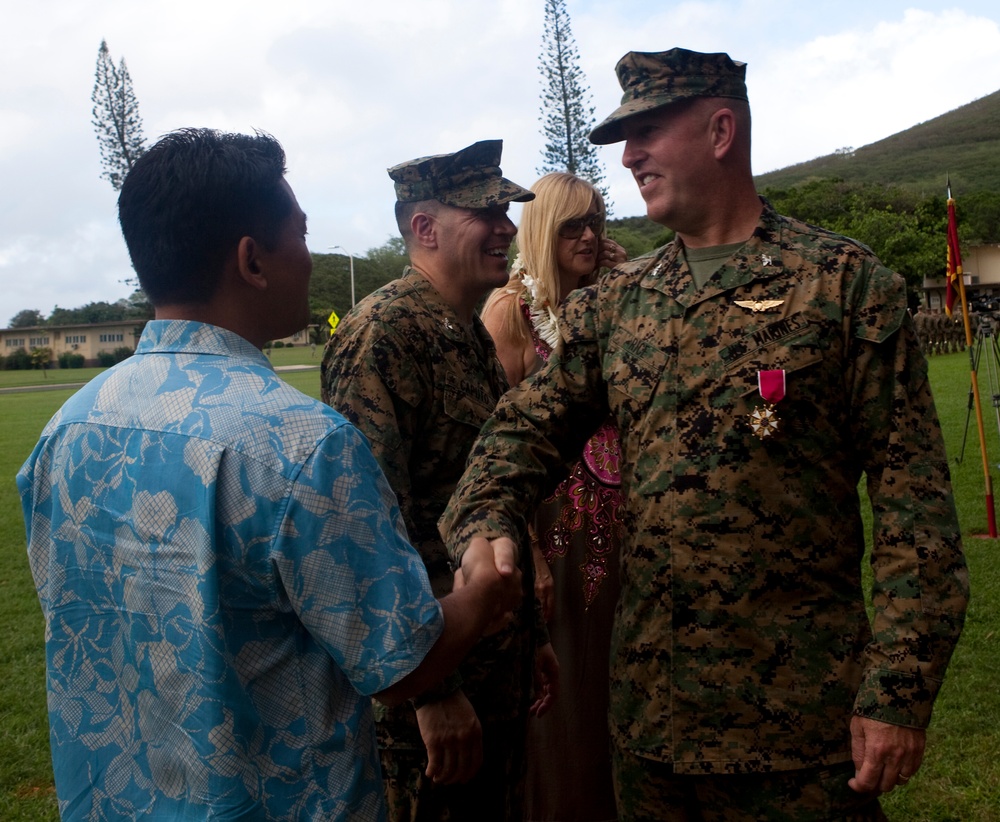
{"x":543,"y":318}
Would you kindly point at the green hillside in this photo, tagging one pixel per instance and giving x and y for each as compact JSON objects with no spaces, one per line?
{"x":963,"y":144}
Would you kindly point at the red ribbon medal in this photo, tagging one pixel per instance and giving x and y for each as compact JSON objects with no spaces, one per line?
{"x":764,"y":421}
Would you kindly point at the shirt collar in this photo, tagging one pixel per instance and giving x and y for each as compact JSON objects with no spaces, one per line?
{"x":758,"y":259}
{"x":190,"y":337}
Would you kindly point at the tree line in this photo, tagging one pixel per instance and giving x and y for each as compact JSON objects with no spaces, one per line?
{"x":907,"y":230}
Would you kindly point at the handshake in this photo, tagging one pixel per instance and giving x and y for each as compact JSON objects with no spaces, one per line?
{"x":489,"y":568}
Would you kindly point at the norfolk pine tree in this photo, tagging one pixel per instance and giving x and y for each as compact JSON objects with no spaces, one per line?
{"x":116,"y":118}
{"x":567,"y":115}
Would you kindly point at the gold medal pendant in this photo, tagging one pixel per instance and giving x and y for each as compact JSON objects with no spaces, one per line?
{"x":764,"y":421}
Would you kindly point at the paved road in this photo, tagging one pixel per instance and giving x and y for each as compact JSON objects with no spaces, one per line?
{"x":56,"y":386}
{"x":59,"y":386}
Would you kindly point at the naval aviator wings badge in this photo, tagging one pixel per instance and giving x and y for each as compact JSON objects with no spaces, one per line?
{"x":756,"y":306}
{"x":764,"y":420}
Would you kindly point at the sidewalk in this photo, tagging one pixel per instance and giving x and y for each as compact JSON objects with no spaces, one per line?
{"x":59,"y":386}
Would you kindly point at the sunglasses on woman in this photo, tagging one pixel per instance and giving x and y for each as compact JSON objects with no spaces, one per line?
{"x":573,"y":229}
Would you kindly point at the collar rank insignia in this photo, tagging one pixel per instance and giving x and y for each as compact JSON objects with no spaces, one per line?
{"x":756,"y":306}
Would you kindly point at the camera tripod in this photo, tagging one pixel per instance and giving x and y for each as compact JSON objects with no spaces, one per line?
{"x":985,"y":340}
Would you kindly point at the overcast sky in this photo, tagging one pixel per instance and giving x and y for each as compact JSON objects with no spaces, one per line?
{"x":350,"y":88}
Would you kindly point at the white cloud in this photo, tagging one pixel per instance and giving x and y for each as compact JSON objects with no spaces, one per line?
{"x":860,"y":85}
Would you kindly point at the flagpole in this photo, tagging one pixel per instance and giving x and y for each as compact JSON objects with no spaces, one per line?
{"x":955,"y":270}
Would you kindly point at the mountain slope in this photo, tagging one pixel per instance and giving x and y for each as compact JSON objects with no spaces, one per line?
{"x":963,"y":144}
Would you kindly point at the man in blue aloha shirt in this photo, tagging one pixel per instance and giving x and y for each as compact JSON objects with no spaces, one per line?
{"x":220,"y":562}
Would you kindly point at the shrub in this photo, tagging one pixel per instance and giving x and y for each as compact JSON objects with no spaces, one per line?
{"x":70,"y":360}
{"x":106,"y":359}
{"x":19,"y":360}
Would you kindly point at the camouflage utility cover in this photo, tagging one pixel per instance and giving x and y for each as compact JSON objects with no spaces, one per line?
{"x":741,"y":640}
{"x":470,"y":178}
{"x":651,"y":80}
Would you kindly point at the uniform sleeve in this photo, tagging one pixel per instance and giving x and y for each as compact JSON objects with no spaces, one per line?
{"x":372,"y":379}
{"x":538,"y":427}
{"x":920,"y":588}
{"x":342,"y":555}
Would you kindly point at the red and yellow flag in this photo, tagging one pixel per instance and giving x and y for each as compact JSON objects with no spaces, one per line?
{"x":952,"y":285}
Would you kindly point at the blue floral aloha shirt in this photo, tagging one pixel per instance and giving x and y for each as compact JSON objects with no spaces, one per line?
{"x":225,"y":580}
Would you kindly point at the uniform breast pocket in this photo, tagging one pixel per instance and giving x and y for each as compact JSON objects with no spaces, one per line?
{"x":794,"y":360}
{"x":467,"y":402}
{"x":815,"y":393}
{"x":632,"y":370}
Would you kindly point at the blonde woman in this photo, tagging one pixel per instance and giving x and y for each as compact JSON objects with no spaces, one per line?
{"x":577,"y":531}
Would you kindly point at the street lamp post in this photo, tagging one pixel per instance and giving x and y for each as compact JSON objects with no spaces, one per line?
{"x":351,"y":258}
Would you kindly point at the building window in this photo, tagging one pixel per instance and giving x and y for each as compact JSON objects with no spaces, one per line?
{"x":38,"y":342}
{"x":106,"y":338}
{"x":76,"y":338}
{"x":14,"y":343}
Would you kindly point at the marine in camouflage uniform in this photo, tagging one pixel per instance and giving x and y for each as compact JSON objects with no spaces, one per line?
{"x":920,"y":326}
{"x":741,"y":644}
{"x":417,"y":372}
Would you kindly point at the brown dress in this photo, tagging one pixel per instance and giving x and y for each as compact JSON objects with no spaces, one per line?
{"x":579,"y":528}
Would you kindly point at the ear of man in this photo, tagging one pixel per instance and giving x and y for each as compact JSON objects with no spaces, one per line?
{"x":723,"y":126}
{"x":424,"y":229}
{"x":250,"y":264}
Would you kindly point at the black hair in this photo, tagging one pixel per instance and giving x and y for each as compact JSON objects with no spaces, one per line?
{"x":187,"y":202}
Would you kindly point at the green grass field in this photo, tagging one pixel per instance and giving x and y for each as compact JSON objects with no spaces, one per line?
{"x":960,"y":779}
